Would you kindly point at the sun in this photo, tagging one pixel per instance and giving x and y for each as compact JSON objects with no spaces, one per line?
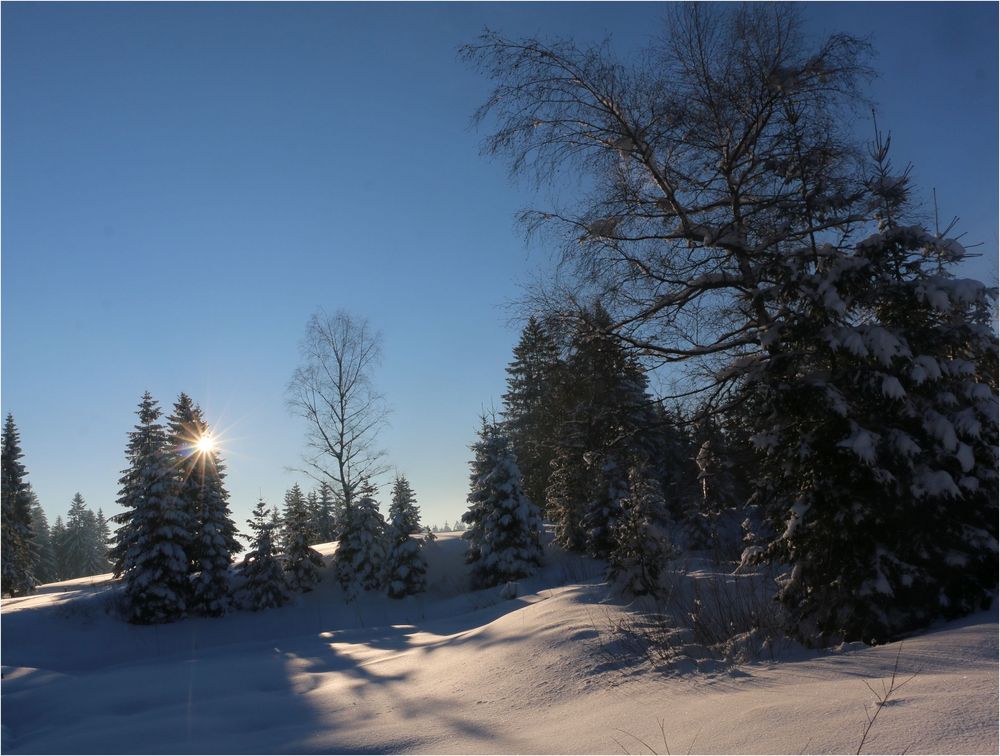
{"x":205,"y":444}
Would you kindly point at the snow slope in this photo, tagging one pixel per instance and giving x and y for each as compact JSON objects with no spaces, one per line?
{"x":452,"y":671}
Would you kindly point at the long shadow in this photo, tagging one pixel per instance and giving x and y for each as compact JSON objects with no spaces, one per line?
{"x":180,"y":689}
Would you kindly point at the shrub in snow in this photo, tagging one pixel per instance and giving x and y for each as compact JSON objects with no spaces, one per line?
{"x":360,"y":559}
{"x":265,"y":585}
{"x":150,"y":549}
{"x":302,"y":564}
{"x":504,"y":526}
{"x":877,"y":424}
{"x":641,"y":543}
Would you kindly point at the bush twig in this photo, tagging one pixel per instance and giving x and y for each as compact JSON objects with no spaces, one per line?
{"x":883,"y":698}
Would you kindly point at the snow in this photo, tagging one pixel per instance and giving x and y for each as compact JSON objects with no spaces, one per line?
{"x":454,"y":671}
{"x":935,"y":483}
{"x":924,"y":368}
{"x":862,"y":443}
{"x":892,"y":388}
{"x":603,"y":227}
{"x":940,"y":428}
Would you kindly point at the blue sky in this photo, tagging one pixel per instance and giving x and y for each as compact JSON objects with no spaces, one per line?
{"x":184,"y":184}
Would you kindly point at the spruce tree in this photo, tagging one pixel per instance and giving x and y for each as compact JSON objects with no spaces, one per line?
{"x":877,"y":430}
{"x":302,"y":564}
{"x":149,"y":551}
{"x":671,"y":458}
{"x":185,"y":427}
{"x":83,"y":552}
{"x":324,"y":516}
{"x":406,"y":571}
{"x":720,"y":485}
{"x":504,"y":526}
{"x":214,"y":536}
{"x":44,"y":558}
{"x":403,"y":508}
{"x":58,"y":538}
{"x":277,"y":528}
{"x":641,"y":536}
{"x":605,"y":506}
{"x":567,"y":493}
{"x":608,"y":419}
{"x":16,"y":577}
{"x":104,"y":538}
{"x":360,"y":559}
{"x":531,"y":410}
{"x":265,"y":584}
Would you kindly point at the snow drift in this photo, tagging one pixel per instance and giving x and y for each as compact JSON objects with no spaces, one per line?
{"x":456,"y":671}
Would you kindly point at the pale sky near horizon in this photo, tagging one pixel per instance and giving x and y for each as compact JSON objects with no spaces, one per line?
{"x":184,"y":184}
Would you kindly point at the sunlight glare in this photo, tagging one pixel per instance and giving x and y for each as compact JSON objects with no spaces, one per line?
{"x":205,"y":444}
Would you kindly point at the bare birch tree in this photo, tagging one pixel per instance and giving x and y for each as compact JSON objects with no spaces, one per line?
{"x":332,"y":390}
{"x":710,"y":160}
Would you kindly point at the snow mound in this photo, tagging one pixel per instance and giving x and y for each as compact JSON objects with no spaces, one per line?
{"x":456,"y":671}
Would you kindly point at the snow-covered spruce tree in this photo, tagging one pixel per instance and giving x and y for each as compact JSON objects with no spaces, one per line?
{"x":302,"y":564}
{"x":721,"y":488}
{"x":360,"y":559}
{"x":83,"y":552}
{"x":320,"y":509}
{"x":641,"y":544}
{"x":215,"y":536}
{"x":277,"y":524}
{"x":185,"y":427}
{"x":149,"y":551}
{"x":604,"y":509}
{"x":265,"y":584}
{"x":608,"y":418}
{"x":531,"y":407}
{"x":324,"y":516}
{"x":406,"y":571}
{"x":406,"y":567}
{"x":104,"y":538}
{"x":58,"y":536}
{"x":44,"y":558}
{"x":199,"y":480}
{"x":15,"y":519}
{"x":296,"y":508}
{"x":567,"y":492}
{"x":504,"y":526}
{"x":403,"y":507}
{"x":878,"y":430}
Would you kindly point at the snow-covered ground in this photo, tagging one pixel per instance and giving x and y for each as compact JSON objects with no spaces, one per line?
{"x":453,"y":671}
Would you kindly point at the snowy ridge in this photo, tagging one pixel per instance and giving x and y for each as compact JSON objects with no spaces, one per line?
{"x":454,"y":671}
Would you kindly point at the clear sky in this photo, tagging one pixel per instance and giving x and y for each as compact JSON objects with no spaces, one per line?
{"x":184,"y":184}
